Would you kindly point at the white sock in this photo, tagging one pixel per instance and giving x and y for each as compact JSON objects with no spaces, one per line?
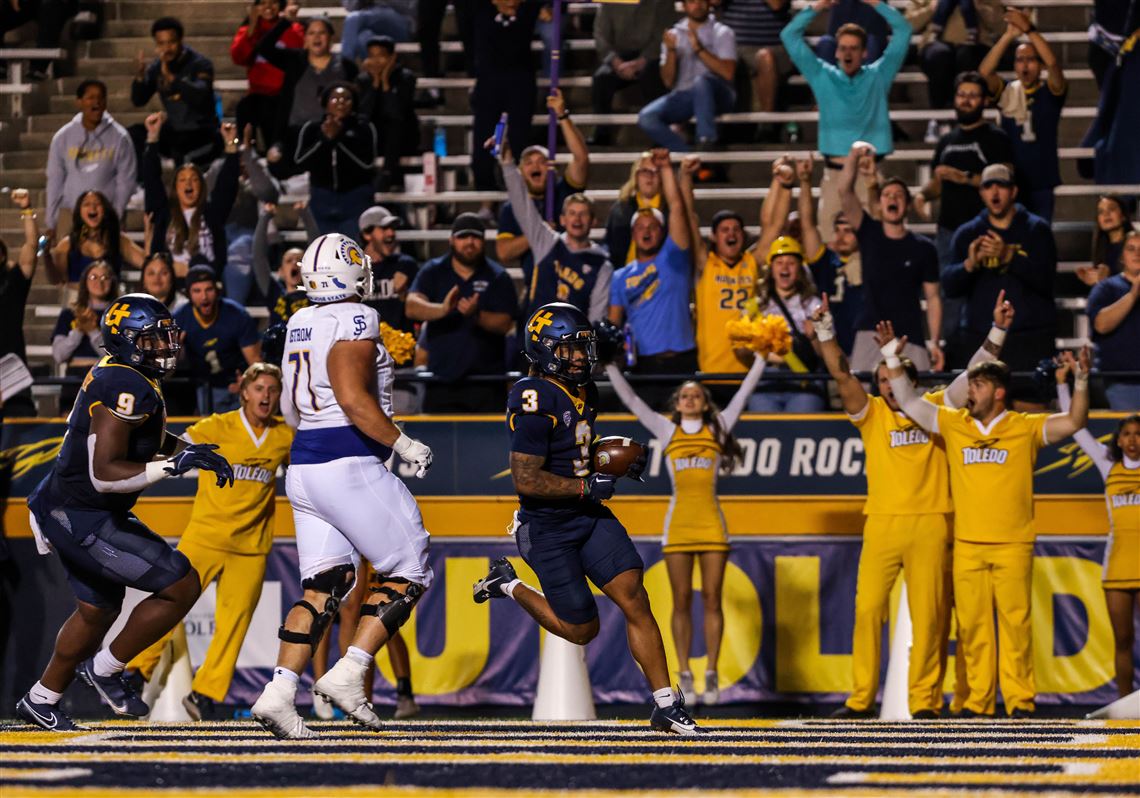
{"x":359,"y":655}
{"x":509,"y":587}
{"x":41,"y":695}
{"x":105,"y":663}
{"x":664,"y":697}
{"x":286,"y":676}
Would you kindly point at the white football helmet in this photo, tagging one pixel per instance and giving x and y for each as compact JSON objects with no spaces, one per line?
{"x":334,"y":267}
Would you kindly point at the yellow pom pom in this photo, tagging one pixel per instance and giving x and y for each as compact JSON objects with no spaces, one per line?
{"x":762,"y":334}
{"x":400,"y":345}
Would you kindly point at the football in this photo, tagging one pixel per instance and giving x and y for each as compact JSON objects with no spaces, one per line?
{"x":614,"y":454}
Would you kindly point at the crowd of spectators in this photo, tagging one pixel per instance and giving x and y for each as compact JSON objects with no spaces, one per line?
{"x":215,"y":235}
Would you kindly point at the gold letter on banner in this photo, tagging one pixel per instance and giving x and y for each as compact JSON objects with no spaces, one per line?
{"x":1090,"y":667}
{"x":741,"y":641}
{"x":467,"y":630}
{"x":800,"y":667}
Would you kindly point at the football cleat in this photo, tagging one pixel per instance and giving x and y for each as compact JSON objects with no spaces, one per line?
{"x":115,"y":691}
{"x":675,"y":719}
{"x":406,"y":707}
{"x":276,"y":712}
{"x":199,"y":706}
{"x":322,"y":708}
{"x":47,"y":716}
{"x":343,"y":686}
{"x":491,"y":586}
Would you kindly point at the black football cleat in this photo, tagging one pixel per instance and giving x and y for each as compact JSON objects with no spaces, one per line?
{"x":674,"y":719}
{"x":847,"y":713}
{"x":47,"y":716}
{"x":115,"y":690}
{"x":491,"y":586}
{"x":1021,"y":713}
{"x":925,"y":714}
{"x":199,"y":706}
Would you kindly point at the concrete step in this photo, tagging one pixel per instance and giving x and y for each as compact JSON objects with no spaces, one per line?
{"x":225,"y":25}
{"x":150,"y":10}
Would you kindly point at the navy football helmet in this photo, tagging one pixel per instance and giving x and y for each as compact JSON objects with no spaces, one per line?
{"x":139,"y":331}
{"x":549,"y":329}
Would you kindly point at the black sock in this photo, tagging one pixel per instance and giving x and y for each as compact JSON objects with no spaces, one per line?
{"x":404,"y":686}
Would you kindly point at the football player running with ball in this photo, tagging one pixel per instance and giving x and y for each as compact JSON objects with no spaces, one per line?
{"x":564,"y":531}
{"x":346,"y":503}
{"x":82,"y":508}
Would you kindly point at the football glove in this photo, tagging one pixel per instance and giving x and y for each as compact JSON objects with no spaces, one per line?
{"x":202,"y":456}
{"x":637,"y":468}
{"x":414,"y":452}
{"x":611,"y":341}
{"x":600,"y":487}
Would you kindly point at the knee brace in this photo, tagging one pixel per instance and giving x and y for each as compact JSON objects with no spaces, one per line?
{"x":337,"y":583}
{"x":394,"y":612}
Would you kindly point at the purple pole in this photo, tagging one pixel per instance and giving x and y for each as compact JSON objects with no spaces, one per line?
{"x":552,"y":121}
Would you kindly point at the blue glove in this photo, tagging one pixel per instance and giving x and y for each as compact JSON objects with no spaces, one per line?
{"x":600,"y":487}
{"x":201,"y":456}
{"x":636,"y":468}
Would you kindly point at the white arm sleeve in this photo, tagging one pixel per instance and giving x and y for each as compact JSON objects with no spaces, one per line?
{"x":1096,"y":451}
{"x":154,"y":472}
{"x":919,"y":410}
{"x":653,"y":421}
{"x":731,"y":414}
{"x":955,"y":394}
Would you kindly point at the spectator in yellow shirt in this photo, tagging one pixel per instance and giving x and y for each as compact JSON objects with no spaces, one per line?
{"x":229,"y":536}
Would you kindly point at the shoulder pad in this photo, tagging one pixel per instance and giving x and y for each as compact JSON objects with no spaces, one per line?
{"x":534,"y":395}
{"x":125,"y":392}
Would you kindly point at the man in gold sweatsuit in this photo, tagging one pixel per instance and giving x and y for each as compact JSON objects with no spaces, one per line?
{"x":908,"y":499}
{"x":229,"y":536}
{"x":992,"y":451}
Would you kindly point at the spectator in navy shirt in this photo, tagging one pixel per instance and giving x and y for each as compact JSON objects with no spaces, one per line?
{"x":77,"y":339}
{"x":1114,"y":312}
{"x":1006,"y":248}
{"x":392,"y":270}
{"x":220,"y":340}
{"x":469,"y":304}
{"x":184,"y":81}
{"x":900,"y":269}
{"x":1030,"y":110}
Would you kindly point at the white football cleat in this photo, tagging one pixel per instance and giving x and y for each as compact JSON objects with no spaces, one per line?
{"x":322,"y":708}
{"x":343,"y":685}
{"x":276,"y":710}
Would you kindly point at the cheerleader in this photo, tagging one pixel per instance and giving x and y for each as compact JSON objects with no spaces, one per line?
{"x":698,"y":445}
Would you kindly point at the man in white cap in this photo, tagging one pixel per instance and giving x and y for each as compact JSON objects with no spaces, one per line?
{"x":392,"y":270}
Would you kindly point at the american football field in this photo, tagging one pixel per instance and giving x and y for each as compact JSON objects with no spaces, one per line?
{"x":515,"y":757}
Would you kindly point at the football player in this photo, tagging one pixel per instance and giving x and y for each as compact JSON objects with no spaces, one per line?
{"x":82,"y":508}
{"x":564,"y":531}
{"x":346,"y":503}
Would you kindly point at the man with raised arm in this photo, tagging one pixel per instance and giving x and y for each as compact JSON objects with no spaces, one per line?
{"x":992,"y":451}
{"x":908,"y":497}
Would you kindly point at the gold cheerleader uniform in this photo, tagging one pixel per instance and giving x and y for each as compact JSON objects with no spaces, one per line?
{"x":693,"y":458}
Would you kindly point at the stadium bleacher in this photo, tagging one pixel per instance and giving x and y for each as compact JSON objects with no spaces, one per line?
{"x":36,"y":110}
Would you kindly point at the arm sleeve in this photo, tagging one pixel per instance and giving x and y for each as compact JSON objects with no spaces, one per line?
{"x":793,"y":38}
{"x":242,"y":48}
{"x":310,"y":141}
{"x":540,"y":237}
{"x":600,"y":296}
{"x":263,"y":186}
{"x":126,"y":174}
{"x":143,"y":90}
{"x":262,"y":270}
{"x":56,"y":173}
{"x":955,"y":394}
{"x":892,"y":59}
{"x":918,"y":409}
{"x":224,"y":193}
{"x":156,"y":201}
{"x":1094,"y":449}
{"x":63,"y":345}
{"x":280,"y":57}
{"x":310,"y":223}
{"x":661,"y":427}
{"x":731,"y":414}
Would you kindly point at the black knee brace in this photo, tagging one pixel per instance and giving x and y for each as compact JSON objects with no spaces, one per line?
{"x":394,"y":612}
{"x":337,"y":583}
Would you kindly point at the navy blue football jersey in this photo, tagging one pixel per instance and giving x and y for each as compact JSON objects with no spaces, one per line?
{"x":128,"y":395}
{"x":546,"y":419}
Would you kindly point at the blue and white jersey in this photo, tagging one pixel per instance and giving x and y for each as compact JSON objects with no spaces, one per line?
{"x":324,"y":432}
